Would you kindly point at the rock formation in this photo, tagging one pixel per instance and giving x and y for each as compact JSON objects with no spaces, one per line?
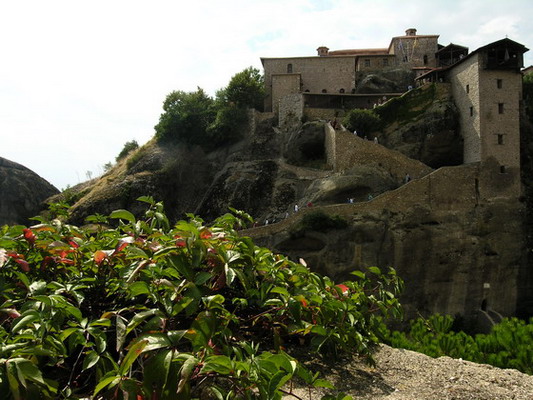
{"x":460,"y":250}
{"x":22,"y":193}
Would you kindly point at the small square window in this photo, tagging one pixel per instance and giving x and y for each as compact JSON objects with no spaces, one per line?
{"x":367,"y":62}
{"x":500,"y":139}
{"x":499,"y":83}
{"x":385,"y":62}
{"x":471,"y":111}
{"x":500,"y":108}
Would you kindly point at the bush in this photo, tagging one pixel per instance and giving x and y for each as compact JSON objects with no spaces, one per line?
{"x":144,"y":310}
{"x":507,"y":346}
{"x":127,"y":149}
{"x":363,"y":121}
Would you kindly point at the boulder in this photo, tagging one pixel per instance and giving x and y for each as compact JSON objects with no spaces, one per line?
{"x":22,"y":193}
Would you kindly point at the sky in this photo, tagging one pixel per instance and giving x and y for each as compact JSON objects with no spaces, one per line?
{"x":79,"y":79}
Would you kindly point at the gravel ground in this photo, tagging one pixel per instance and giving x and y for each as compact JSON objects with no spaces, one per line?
{"x":407,"y":375}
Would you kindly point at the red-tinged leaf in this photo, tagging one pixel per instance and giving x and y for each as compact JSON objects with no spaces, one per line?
{"x":11,"y":312}
{"x":205,"y":234}
{"x":344,"y":289}
{"x":29,"y":235}
{"x":14,"y":254}
{"x":181,"y":243}
{"x":23,"y":264}
{"x":73,"y":244}
{"x":304,"y":302}
{"x":99,"y":256}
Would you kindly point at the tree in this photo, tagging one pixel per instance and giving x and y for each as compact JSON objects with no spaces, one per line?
{"x":245,"y":90}
{"x":127,"y":149}
{"x":186,"y":117}
{"x":364,"y":121}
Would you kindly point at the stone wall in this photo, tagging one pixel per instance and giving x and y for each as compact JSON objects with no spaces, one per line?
{"x":464,"y":80}
{"x":283,"y":85}
{"x":345,"y":150}
{"x":291,"y":111}
{"x":489,"y":105}
{"x":321,"y":73}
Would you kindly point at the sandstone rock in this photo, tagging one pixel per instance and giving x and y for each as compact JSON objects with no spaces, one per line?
{"x":305,"y":145}
{"x":22,"y":193}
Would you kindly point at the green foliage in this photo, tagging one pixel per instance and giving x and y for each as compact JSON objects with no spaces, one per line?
{"x":507,"y":346}
{"x":245,"y":89}
{"x":147,"y":311}
{"x":407,"y":108}
{"x":186,"y":117}
{"x":127,"y":149}
{"x":322,"y":222}
{"x":226,"y":128}
{"x":363,"y":121}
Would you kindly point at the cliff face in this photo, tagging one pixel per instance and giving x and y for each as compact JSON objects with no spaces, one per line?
{"x":22,"y":193}
{"x":458,"y":251}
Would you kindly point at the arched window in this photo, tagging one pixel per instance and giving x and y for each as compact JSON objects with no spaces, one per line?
{"x":341,"y":91}
{"x":289,"y":68}
{"x":324,"y":91}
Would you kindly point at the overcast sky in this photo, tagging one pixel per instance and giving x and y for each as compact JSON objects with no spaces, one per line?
{"x":80,"y":78}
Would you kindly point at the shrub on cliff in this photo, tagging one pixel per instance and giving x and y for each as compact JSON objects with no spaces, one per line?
{"x":363,"y":121}
{"x":149,"y":311}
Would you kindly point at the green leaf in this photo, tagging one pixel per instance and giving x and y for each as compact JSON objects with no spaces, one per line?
{"x":140,"y":317}
{"x":277,"y":381}
{"x":219,"y":364}
{"x":156,"y":369}
{"x":25,"y":319}
{"x":106,"y":381}
{"x":323,"y":383}
{"x":123,"y":214}
{"x":90,"y":360}
{"x":137,"y":288}
{"x":155,"y":341}
{"x":134,"y":352}
{"x":147,"y":199}
{"x":164,"y":252}
{"x":185,"y":372}
{"x":280,"y":290}
{"x":375,"y":270}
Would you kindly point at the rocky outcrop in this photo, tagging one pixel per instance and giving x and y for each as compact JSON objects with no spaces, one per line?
{"x":386,"y":81}
{"x":457,"y":255}
{"x":305,"y":144}
{"x":22,"y":193}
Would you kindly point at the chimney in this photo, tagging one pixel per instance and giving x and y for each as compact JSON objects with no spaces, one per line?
{"x":322,"y":51}
{"x":410,"y":32}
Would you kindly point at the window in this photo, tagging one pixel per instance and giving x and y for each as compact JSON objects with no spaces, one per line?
{"x":425,"y":59}
{"x":385,"y":62}
{"x":471,"y":111}
{"x":499,"y":83}
{"x":341,"y":91}
{"x":367,"y":62}
{"x":500,"y":108}
{"x":289,"y":68}
{"x":502,"y":169}
{"x":467,"y":88}
{"x":500,"y":139}
{"x":324,"y":91}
